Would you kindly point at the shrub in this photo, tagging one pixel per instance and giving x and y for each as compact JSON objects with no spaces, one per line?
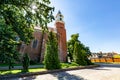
{"x":88,"y":61}
{"x":74,"y":64}
{"x":33,"y":62}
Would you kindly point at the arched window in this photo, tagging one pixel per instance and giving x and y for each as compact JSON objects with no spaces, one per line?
{"x":17,"y":38}
{"x":35,"y":42}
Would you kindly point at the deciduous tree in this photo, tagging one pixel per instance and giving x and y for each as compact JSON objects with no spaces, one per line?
{"x":17,"y":21}
{"x":78,"y":52}
{"x":70,"y":45}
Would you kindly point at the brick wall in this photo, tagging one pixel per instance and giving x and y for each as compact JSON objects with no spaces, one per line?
{"x":61,"y":31}
{"x":33,"y":49}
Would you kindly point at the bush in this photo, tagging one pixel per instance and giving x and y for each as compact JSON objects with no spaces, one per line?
{"x":88,"y":61}
{"x":33,"y":62}
{"x":65,"y":65}
{"x":74,"y":64}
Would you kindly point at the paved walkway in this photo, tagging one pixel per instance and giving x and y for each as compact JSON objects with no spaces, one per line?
{"x":20,"y":67}
{"x":105,"y":72}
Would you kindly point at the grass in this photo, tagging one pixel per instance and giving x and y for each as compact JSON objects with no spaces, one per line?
{"x":37,"y":70}
{"x":20,"y":71}
{"x":10,"y":72}
{"x":64,"y":65}
{"x":69,"y":65}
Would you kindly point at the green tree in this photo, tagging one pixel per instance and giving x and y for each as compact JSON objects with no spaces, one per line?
{"x":70,"y":45}
{"x":25,"y":62}
{"x":79,"y":52}
{"x":87,"y":53}
{"x":8,"y":46}
{"x":17,"y":21}
{"x":51,"y":59}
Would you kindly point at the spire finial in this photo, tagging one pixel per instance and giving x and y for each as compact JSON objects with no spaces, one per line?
{"x":59,"y":12}
{"x":59,"y":16}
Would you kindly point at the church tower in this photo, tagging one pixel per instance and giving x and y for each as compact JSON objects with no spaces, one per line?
{"x":61,"y":32}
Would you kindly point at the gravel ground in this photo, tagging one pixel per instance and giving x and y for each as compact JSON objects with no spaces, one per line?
{"x":105,"y":72}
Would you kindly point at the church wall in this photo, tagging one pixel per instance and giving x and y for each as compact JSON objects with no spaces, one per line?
{"x":62,"y":40}
{"x":33,"y":49}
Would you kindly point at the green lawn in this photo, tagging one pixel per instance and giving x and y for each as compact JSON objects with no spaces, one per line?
{"x":20,"y":71}
{"x":64,"y":65}
{"x":69,"y":65}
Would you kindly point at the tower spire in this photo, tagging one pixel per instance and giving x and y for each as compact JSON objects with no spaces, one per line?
{"x":59,"y":12}
{"x":61,"y":33}
{"x":59,"y":17}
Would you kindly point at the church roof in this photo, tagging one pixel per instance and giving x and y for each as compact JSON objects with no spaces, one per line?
{"x":49,"y":28}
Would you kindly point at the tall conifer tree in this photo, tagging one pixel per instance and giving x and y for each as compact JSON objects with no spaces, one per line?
{"x":51,"y":59}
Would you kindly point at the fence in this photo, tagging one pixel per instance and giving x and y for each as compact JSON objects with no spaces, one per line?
{"x":105,"y":59}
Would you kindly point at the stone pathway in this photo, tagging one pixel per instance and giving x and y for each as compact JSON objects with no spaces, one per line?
{"x":20,"y":67}
{"x":105,"y":72}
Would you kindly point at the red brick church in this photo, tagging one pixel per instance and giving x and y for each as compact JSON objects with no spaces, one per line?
{"x":36,"y":48}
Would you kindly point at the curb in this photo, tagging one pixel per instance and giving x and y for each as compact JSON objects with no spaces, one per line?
{"x":4,"y":77}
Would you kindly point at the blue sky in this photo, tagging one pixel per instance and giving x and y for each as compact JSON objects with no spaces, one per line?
{"x":96,"y":21}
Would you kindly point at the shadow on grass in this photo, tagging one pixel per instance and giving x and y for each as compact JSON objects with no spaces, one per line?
{"x":10,"y":76}
{"x":66,"y":76}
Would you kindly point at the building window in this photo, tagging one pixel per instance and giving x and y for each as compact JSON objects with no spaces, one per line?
{"x":60,"y":19}
{"x":35,"y":42}
{"x":22,"y":48}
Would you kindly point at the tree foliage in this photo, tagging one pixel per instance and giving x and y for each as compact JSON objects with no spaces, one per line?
{"x":8,"y":46}
{"x":51,"y":59}
{"x":25,"y":62}
{"x":23,"y":15}
{"x":70,"y":45}
{"x":17,"y":21}
{"x":78,"y":52}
